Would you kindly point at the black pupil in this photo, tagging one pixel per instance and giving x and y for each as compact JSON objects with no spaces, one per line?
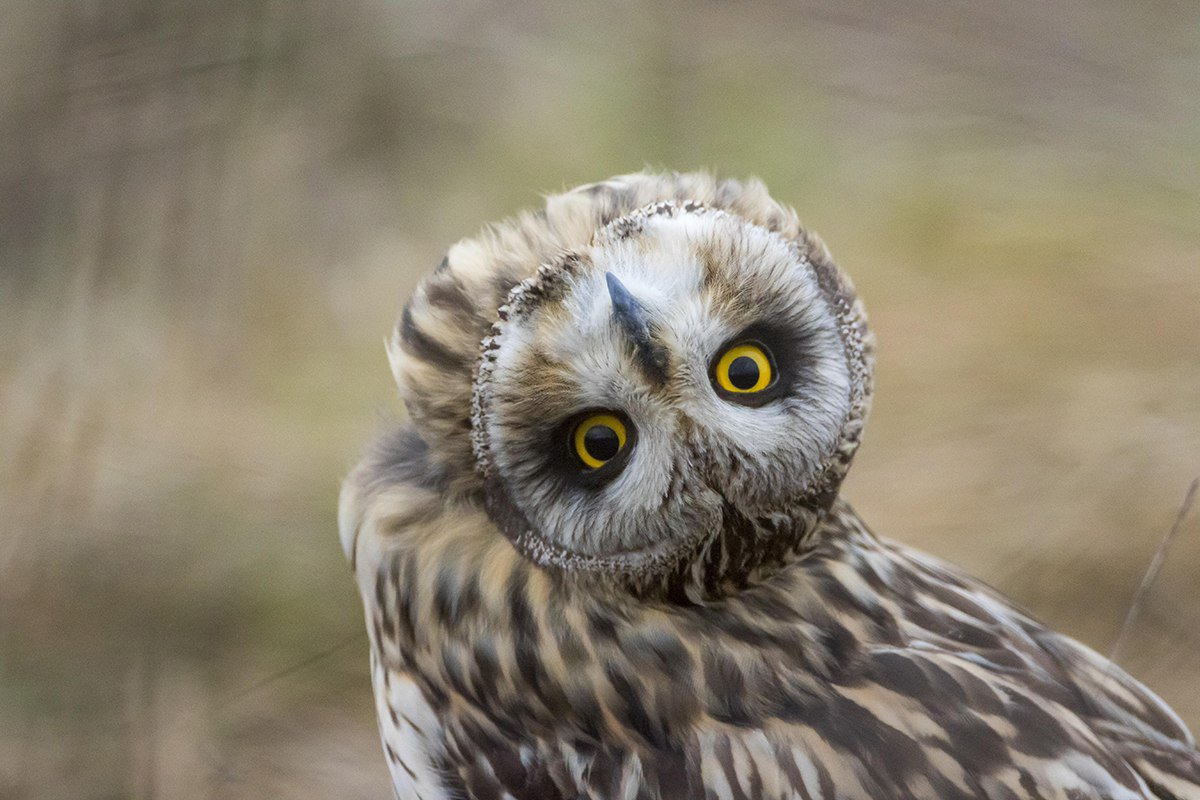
{"x":743,"y":372}
{"x":601,"y":442}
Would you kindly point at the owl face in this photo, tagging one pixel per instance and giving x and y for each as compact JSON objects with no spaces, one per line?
{"x":685,"y":368}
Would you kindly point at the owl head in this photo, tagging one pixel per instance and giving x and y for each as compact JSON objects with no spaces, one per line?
{"x":657,"y":381}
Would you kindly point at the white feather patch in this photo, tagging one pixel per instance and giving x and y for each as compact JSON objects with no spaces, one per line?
{"x":411,"y":740}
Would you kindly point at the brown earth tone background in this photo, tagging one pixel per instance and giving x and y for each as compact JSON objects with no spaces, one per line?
{"x":210,"y":212}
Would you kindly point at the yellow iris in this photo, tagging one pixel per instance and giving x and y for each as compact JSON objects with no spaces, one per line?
{"x":744,"y":369}
{"x":598,"y":438}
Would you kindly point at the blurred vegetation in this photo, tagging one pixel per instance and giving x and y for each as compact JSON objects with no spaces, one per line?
{"x":210,"y":212}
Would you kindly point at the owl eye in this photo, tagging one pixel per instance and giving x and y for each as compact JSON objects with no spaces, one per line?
{"x":598,"y":438}
{"x":745,"y":368}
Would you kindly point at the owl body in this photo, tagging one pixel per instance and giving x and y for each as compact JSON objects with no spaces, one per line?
{"x":607,"y":556}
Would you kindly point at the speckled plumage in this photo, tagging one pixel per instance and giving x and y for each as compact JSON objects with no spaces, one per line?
{"x":715,"y":621}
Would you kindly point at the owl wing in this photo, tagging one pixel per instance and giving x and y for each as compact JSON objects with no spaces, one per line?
{"x":1130,"y":719}
{"x":868,"y":742}
{"x":1106,"y":720}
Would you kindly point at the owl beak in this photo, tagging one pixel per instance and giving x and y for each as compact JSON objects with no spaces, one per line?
{"x":634,"y":322}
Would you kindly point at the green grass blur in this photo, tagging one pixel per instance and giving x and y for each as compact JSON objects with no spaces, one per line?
{"x":211,"y":211}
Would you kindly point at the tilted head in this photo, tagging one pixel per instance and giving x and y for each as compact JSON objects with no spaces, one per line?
{"x":667,"y":388}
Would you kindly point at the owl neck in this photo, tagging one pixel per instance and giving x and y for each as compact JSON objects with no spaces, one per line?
{"x":745,"y":551}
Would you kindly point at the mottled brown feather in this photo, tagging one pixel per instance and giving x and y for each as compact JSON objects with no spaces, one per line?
{"x":852,"y":667}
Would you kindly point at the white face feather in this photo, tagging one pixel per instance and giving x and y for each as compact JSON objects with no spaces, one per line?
{"x":705,"y":279}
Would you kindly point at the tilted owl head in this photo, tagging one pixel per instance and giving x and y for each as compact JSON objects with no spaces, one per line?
{"x":655,"y":381}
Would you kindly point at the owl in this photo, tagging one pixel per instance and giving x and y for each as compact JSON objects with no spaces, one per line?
{"x":606,"y":557}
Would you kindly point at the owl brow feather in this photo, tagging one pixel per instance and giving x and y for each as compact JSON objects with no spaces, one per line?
{"x":1156,"y":564}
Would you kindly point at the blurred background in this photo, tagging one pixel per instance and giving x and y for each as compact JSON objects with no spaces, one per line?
{"x":210,"y":212}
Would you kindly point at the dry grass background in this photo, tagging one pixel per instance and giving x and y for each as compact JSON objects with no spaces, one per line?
{"x":210,"y":212}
